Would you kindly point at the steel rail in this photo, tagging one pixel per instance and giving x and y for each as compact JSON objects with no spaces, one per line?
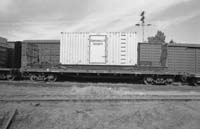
{"x":103,"y":99}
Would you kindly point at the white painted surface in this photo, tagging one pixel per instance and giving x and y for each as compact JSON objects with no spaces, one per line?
{"x":112,"y":48}
{"x":97,"y":52}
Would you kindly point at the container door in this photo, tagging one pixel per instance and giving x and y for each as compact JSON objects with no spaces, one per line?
{"x":97,"y":52}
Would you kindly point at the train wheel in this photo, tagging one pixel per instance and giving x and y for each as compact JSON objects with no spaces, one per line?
{"x":51,"y":78}
{"x":184,"y":78}
{"x":148,"y":80}
{"x":33,"y":77}
{"x":10,"y":77}
{"x":193,"y":82}
{"x":2,"y":76}
{"x":169,"y":81}
{"x":160,"y":81}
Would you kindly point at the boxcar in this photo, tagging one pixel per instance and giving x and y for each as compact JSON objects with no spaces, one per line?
{"x":6,"y":72}
{"x":48,"y":50}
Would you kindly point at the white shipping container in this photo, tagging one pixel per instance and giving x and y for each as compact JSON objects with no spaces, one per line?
{"x":112,"y":48}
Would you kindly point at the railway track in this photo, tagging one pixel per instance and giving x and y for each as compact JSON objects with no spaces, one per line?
{"x":64,"y":84}
{"x":88,"y":98}
{"x":82,"y":84}
{"x":26,"y":91}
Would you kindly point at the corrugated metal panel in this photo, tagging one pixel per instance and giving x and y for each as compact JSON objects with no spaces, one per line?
{"x":30,"y":54}
{"x":74,"y":48}
{"x":182,"y":59}
{"x":149,"y":54}
{"x":49,"y":50}
{"x":120,"y":48}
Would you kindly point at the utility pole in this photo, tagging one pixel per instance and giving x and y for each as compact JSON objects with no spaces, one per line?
{"x":142,"y":24}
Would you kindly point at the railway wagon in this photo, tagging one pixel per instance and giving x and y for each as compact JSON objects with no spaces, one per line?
{"x":27,"y":54}
{"x":101,"y":55}
{"x":20,"y":55}
{"x":44,"y":55}
{"x":179,"y":58}
{"x":6,"y":72}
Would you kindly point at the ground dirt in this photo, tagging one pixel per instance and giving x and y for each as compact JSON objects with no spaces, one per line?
{"x":138,"y":114}
{"x":103,"y":115}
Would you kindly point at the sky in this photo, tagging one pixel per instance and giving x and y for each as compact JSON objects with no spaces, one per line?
{"x":45,"y":19}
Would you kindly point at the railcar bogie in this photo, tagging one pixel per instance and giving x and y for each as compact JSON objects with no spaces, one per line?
{"x":40,"y":76}
{"x":9,"y":74}
{"x":193,"y":81}
{"x":161,"y":79}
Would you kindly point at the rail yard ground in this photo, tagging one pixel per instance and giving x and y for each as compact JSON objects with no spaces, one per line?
{"x":72,"y":105}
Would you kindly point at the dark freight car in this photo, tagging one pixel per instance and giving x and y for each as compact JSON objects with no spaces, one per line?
{"x":184,"y":58}
{"x":6,"y":73}
{"x":3,"y":53}
{"x":180,"y":58}
{"x":29,"y":54}
{"x":3,"y":57}
{"x":14,"y":54}
{"x":149,"y":54}
{"x":49,"y":51}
